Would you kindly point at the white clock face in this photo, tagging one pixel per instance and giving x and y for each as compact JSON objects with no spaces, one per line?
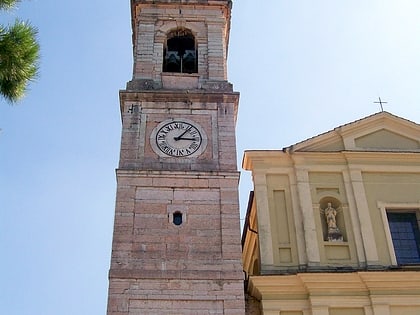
{"x":178,"y":138}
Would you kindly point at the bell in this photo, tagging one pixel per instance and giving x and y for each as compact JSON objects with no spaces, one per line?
{"x":172,"y":61}
{"x":188,"y":61}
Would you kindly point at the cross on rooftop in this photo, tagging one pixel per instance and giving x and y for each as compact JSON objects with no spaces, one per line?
{"x":380,"y":103}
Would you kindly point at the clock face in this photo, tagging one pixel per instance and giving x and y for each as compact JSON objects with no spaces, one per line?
{"x":178,"y":138}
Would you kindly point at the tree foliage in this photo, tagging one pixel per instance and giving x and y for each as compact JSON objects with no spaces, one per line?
{"x":19,"y":56}
{"x":7,"y":4}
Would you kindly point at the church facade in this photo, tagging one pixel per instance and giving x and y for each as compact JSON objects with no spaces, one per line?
{"x":333,"y":222}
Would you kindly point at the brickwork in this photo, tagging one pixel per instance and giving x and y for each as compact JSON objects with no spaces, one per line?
{"x":215,"y":112}
{"x":196,"y":261}
{"x":174,"y":297}
{"x":149,"y":250}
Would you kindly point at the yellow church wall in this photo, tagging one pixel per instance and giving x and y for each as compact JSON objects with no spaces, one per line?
{"x":328,"y":187}
{"x":405,"y":310}
{"x":383,"y":139}
{"x":265,"y":221}
{"x":334,"y":145}
{"x":282,"y":220}
{"x":402,"y":190}
{"x":291,"y":313}
{"x":346,"y":311}
{"x":277,"y":217}
{"x":284,"y":246}
{"x":251,"y":253}
{"x":326,"y":184}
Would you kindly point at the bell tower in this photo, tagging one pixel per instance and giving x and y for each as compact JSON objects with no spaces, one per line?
{"x":176,"y":244}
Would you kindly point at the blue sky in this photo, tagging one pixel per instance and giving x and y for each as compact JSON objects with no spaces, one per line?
{"x":302,"y":68}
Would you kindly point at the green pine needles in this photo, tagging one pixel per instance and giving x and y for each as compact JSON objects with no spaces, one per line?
{"x":19,"y":56}
{"x":8,"y":4}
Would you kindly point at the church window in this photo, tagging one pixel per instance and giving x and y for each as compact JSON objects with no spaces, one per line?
{"x":405,"y":234}
{"x":180,"y":52}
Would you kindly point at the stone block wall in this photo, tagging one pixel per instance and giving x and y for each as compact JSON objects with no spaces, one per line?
{"x":158,"y":267}
{"x":214,"y":112}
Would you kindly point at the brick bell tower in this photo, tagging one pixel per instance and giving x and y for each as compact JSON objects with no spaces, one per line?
{"x":176,"y":245}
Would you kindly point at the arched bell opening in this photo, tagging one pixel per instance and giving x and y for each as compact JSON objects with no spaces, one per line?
{"x":180,"y":52}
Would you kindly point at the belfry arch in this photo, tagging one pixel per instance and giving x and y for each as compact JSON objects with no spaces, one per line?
{"x":180,"y":51}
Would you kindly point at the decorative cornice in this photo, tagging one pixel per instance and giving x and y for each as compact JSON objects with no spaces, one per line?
{"x":335,"y":284}
{"x":187,"y":174}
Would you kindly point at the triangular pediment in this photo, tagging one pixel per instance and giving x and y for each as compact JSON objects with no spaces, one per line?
{"x":379,"y":132}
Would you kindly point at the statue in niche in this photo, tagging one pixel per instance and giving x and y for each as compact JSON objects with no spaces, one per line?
{"x":334,"y":234}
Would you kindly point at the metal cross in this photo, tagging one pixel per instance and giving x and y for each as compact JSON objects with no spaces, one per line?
{"x":380,"y":103}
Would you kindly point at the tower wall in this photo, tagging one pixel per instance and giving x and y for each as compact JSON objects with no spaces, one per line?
{"x":176,"y":245}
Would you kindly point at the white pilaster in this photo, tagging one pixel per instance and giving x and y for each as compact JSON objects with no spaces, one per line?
{"x":364,"y":217}
{"x":305,"y":200}
{"x":264,"y":222}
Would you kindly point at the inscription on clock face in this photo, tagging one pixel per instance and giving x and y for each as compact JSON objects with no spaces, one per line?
{"x":178,"y":138}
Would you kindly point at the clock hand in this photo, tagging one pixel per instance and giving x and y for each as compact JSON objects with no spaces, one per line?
{"x":180,"y":136}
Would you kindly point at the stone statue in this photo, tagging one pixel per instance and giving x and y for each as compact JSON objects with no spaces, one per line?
{"x":334,"y":233}
{"x":330,"y":214}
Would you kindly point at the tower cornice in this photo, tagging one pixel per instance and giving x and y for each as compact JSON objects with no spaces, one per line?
{"x":205,"y":2}
{"x":179,"y":96}
{"x":195,"y":99}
